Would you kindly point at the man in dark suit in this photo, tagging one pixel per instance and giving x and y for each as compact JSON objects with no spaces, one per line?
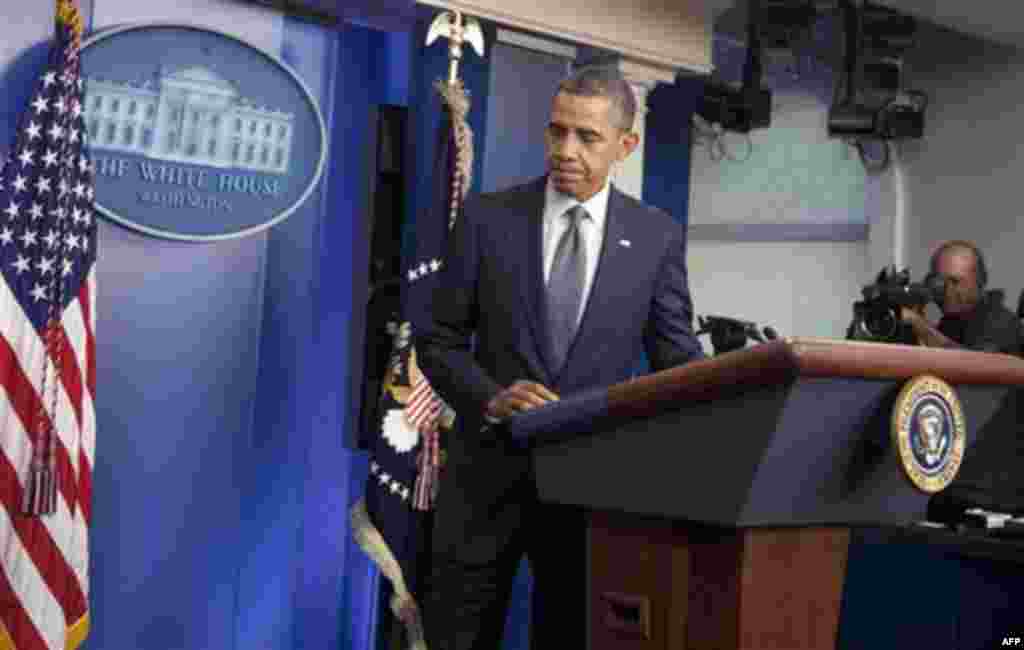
{"x":560,"y":299}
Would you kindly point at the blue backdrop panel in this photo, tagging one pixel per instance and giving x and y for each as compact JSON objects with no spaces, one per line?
{"x":377,"y":63}
{"x":221,"y":483}
{"x":522,"y":85}
{"x":344,"y":250}
{"x":666,"y":175}
{"x":378,"y":14}
{"x":391,"y":53}
{"x":287,"y":506}
{"x":339,"y":278}
{"x":177,"y":338}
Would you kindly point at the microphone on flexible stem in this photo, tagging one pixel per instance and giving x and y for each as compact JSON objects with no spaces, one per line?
{"x":728,"y":334}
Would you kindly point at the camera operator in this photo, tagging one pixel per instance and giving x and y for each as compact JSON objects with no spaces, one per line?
{"x":972,"y":317}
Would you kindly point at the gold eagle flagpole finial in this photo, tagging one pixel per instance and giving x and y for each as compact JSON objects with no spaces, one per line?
{"x":458,"y":30}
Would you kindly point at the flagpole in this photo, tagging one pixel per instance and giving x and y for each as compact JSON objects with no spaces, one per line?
{"x":406,"y":458}
{"x":458,"y":29}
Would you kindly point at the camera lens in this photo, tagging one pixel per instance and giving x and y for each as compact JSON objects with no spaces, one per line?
{"x":881,"y":323}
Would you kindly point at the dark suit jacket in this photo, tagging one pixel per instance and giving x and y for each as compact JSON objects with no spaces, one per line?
{"x":492,"y":286}
{"x":990,"y":327}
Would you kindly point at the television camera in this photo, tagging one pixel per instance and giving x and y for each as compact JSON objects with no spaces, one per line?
{"x":877,"y":316}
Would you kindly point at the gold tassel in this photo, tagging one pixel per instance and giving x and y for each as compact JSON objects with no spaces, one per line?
{"x":68,"y":13}
{"x":403,"y":605}
{"x":455,"y":98}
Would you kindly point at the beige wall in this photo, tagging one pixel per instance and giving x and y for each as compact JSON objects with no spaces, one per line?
{"x":670,"y":33}
{"x":964,"y":179}
{"x":798,"y":288}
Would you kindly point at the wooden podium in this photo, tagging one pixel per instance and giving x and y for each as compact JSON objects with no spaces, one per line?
{"x":721,"y":493}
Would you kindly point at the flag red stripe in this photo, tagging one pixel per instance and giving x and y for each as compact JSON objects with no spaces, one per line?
{"x":416,"y":410}
{"x":424,"y":407}
{"x":413,"y":414}
{"x":423,"y":401}
{"x":19,"y":626}
{"x":423,"y":390}
{"x":424,"y":397}
{"x":84,"y":298}
{"x":428,"y":410}
{"x":84,"y":467}
{"x":84,"y":487}
{"x":44,"y":553}
{"x":419,"y":420}
{"x":418,"y":391}
{"x":26,"y":404}
{"x":70,"y":374}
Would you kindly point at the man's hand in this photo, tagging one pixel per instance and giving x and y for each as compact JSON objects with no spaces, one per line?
{"x":917,"y":322}
{"x":926,"y":335}
{"x":521,"y":396}
{"x":910,"y":316}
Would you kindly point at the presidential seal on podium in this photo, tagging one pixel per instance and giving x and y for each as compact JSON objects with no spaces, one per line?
{"x":929,"y":431}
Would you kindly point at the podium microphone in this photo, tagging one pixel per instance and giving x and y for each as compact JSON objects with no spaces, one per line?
{"x":728,"y":334}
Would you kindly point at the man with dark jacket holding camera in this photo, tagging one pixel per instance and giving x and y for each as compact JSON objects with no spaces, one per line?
{"x":972,"y":317}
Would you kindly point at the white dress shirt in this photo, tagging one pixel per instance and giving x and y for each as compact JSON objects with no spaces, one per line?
{"x":591,"y":230}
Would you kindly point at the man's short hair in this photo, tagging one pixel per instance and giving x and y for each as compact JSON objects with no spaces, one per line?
{"x":604,"y":81}
{"x":981,"y":270}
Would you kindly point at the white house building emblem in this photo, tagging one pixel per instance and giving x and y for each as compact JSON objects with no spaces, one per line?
{"x":191,"y":115}
{"x":195,"y":134}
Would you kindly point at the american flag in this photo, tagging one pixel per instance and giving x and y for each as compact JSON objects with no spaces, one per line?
{"x":47,"y":359}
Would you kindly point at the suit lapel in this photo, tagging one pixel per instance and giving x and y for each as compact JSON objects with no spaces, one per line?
{"x":612,"y":263}
{"x":532,"y":273}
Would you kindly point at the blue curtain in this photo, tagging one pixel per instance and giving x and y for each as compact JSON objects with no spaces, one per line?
{"x":372,"y":68}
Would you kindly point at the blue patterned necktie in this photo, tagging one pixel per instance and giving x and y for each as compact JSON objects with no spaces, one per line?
{"x":565,"y":286}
